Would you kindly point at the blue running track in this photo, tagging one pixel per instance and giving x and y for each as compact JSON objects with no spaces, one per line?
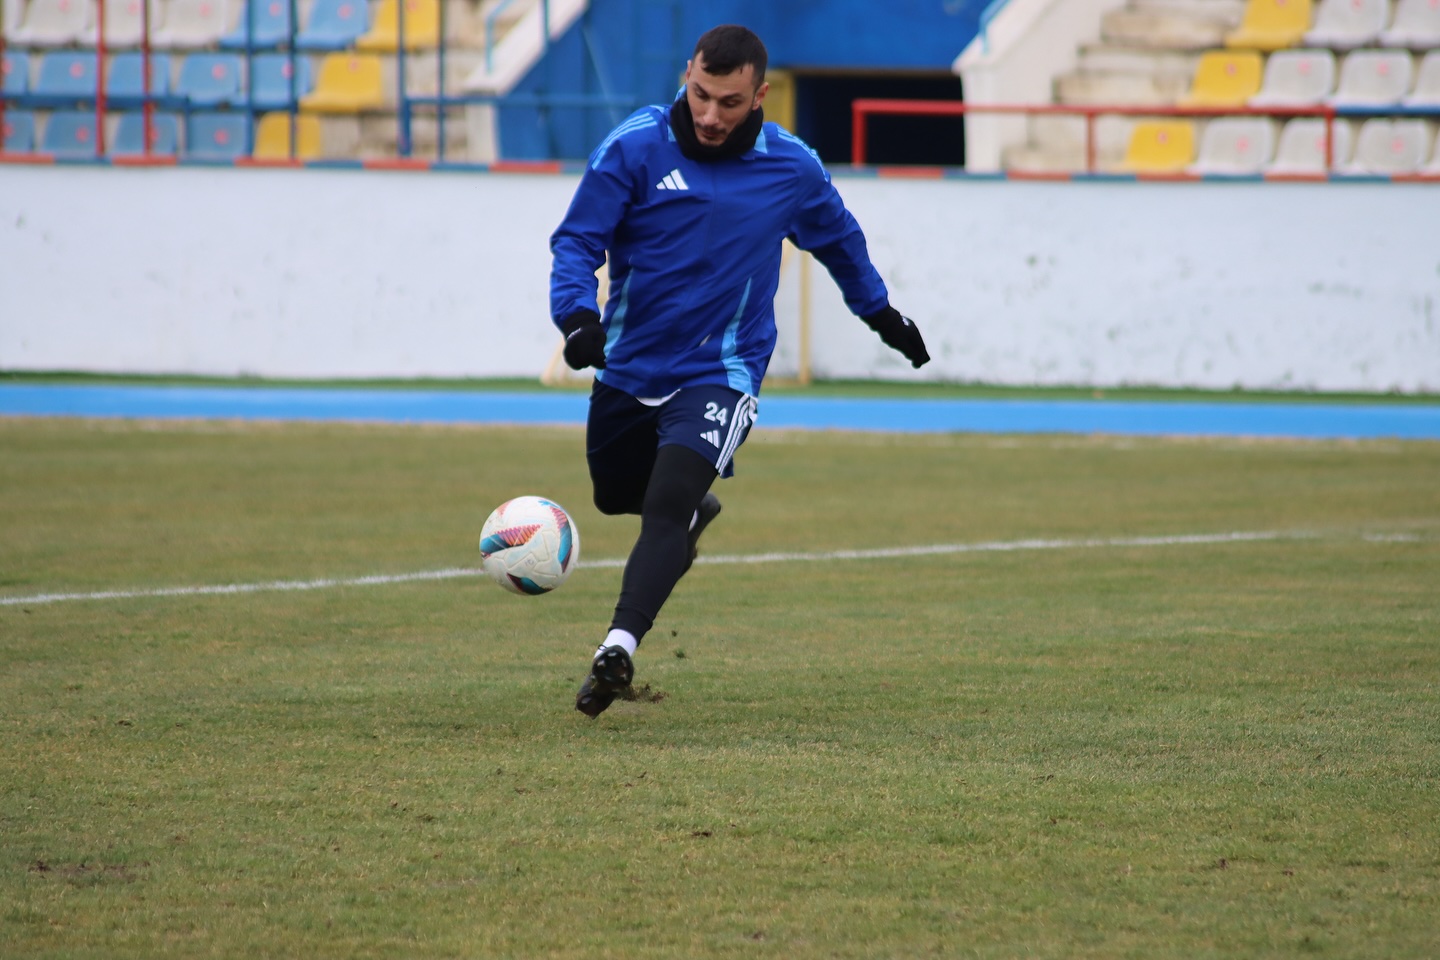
{"x":1314,"y":420}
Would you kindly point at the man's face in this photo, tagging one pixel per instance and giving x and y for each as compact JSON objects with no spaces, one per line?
{"x":720,"y":103}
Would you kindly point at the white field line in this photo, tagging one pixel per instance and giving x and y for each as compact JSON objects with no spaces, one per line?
{"x":881,"y":553}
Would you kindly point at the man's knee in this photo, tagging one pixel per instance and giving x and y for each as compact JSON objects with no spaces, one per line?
{"x":614,"y":502}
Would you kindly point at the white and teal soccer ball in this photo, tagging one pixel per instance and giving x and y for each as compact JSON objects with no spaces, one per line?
{"x":529,"y":545}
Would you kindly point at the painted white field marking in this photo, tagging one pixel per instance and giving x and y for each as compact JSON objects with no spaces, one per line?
{"x":880,"y":553}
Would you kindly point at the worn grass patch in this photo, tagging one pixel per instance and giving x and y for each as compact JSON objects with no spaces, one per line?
{"x":1197,"y":750}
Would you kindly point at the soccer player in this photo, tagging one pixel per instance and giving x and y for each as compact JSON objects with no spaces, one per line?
{"x":692,"y":200}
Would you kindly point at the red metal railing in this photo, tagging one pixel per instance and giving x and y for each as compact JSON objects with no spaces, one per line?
{"x":862,"y":110}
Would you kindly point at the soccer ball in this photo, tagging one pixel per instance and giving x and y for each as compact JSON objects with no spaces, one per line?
{"x":529,"y":545}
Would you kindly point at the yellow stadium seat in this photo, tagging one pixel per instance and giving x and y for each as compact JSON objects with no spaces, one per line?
{"x":347,"y":83}
{"x":1271,"y":25}
{"x":272,"y":137}
{"x":422,"y":26}
{"x":1226,"y":78}
{"x":1160,"y":146}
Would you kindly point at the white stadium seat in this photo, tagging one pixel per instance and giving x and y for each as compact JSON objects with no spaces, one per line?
{"x":1301,"y":151}
{"x":1374,"y":78}
{"x":1347,"y":24}
{"x":1236,"y":146}
{"x":1296,"y":78}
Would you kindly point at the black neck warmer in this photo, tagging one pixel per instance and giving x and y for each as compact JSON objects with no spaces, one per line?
{"x":741,"y":139}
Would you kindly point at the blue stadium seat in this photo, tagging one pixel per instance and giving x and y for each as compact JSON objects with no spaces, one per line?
{"x":271,"y":20}
{"x":69,"y":133}
{"x":271,"y":87}
{"x":130,"y":134}
{"x":66,"y":77}
{"x":15,"y":72}
{"x":217,"y":136}
{"x":334,"y":25}
{"x":18,"y":131}
{"x":211,"y":79}
{"x":125,"y":86}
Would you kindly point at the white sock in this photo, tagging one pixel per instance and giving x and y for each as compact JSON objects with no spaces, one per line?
{"x":694,"y":519}
{"x":619,"y":638}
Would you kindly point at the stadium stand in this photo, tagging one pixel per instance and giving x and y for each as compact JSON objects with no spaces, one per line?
{"x":1296,"y":78}
{"x":69,"y":134}
{"x":334,"y":25}
{"x":1391,"y":147}
{"x":1301,"y":150}
{"x":15,"y":72}
{"x":10,"y":19}
{"x":1348,"y":24}
{"x":347,"y":83}
{"x":129,"y":139}
{"x":1160,"y":146}
{"x":1374,"y":78}
{"x":125,"y":83}
{"x":270,"y":87}
{"x":1236,"y":146}
{"x":217,"y":136}
{"x":193,"y":24}
{"x":1225,"y":78}
{"x":55,"y":23}
{"x":422,"y":27}
{"x":270,"y":20}
{"x":272,"y":136}
{"x":1271,"y":25}
{"x":1432,"y":169}
{"x":1416,"y":25}
{"x":65,"y":77}
{"x":19,"y":131}
{"x":211,"y":79}
{"x":1427,"y":83}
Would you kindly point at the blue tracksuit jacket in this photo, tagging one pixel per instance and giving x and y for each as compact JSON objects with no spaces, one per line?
{"x":695,"y":253}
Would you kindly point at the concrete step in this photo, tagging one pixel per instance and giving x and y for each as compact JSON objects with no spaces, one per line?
{"x":1111,"y":58}
{"x":1162,"y":30}
{"x":1228,"y":11}
{"x":1087,"y":88}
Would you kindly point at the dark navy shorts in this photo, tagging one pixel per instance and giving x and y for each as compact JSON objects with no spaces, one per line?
{"x":622,"y":434}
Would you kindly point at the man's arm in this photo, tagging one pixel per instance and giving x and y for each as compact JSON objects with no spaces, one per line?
{"x":828,"y":230}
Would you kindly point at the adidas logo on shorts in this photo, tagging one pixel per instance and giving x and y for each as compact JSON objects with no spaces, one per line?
{"x":713,"y":436}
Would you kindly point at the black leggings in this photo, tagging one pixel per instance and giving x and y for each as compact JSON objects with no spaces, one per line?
{"x":666,"y":503}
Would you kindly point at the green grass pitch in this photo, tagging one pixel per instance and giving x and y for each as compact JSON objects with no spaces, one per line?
{"x":1089,"y":741}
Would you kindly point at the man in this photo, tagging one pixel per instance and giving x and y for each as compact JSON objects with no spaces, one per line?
{"x":692,"y":201}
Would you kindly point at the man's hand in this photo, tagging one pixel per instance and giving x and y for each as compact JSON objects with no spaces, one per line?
{"x":584,"y":340}
{"x":898,"y":333}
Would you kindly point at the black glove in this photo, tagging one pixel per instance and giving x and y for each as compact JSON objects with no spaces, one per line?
{"x":898,"y":333}
{"x":584,"y":340}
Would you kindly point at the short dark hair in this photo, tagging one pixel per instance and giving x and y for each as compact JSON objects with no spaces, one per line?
{"x":729,"y":47}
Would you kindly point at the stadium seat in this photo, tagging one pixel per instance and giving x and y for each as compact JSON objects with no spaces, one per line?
{"x":1416,"y":25}
{"x":334,"y":25}
{"x":217,"y":136}
{"x":69,"y":133}
{"x":1225,"y":78}
{"x":1235,"y":146}
{"x":1271,"y":25}
{"x":270,"y":85}
{"x":65,"y":77}
{"x":1160,"y":146}
{"x":1301,"y":150}
{"x":129,"y":140}
{"x":193,"y":24}
{"x":1432,"y":169}
{"x":125,"y":22}
{"x":271,"y":21}
{"x":1296,"y":78}
{"x":347,"y":83}
{"x":1347,"y":24}
{"x":1373,"y":78}
{"x":422,"y":26}
{"x":1427,"y":83}
{"x":55,"y":23}
{"x":18,"y":134}
{"x":10,"y":19}
{"x":125,"y":84}
{"x":15,"y":72}
{"x":1388,"y":147}
{"x":272,"y":137}
{"x":211,"y":79}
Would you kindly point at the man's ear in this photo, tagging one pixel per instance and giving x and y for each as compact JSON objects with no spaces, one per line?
{"x":760,"y":94}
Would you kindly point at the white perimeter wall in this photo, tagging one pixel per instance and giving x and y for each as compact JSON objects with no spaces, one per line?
{"x":319,"y":273}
